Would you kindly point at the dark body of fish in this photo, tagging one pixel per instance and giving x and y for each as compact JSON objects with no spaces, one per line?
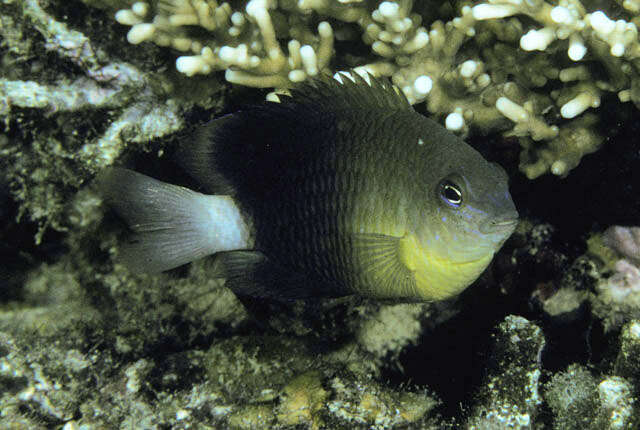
{"x":345,"y":189}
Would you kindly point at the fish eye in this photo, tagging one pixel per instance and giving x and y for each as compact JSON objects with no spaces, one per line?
{"x":451,"y":193}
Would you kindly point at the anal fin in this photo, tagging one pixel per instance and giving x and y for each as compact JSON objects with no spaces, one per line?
{"x":251,"y":273}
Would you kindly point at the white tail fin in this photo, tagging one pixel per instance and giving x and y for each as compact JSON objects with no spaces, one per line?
{"x":172,"y":225}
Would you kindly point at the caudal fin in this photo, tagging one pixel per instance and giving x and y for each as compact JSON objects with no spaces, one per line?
{"x":171,"y":225}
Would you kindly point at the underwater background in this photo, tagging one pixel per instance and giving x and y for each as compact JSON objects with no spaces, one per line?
{"x":547,"y":338}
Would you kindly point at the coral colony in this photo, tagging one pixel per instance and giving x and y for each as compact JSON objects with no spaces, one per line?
{"x":489,"y":69}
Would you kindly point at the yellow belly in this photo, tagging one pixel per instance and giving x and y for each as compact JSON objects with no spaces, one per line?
{"x":438,"y":278}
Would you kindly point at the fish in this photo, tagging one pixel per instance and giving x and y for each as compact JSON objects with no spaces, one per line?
{"x":339,"y":188}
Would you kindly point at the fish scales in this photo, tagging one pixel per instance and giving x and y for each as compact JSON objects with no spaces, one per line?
{"x":352,"y":169}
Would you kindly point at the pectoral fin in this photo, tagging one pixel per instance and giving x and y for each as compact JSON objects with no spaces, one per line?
{"x":382,"y":266}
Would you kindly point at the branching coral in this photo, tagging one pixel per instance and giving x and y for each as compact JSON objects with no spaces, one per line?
{"x":498,"y":77}
{"x":587,"y":39}
{"x":495,"y":67}
{"x":244,"y":44}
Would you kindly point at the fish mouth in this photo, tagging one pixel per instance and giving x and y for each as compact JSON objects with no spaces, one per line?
{"x":504,"y":224}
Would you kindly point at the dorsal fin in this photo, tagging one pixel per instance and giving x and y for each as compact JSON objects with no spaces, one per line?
{"x":197,"y":152}
{"x":352,"y":92}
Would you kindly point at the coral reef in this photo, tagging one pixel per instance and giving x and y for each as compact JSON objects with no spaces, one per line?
{"x":529,"y":71}
{"x":483,"y":70}
{"x":579,"y":400}
{"x":618,"y":296}
{"x":85,"y":84}
{"x":64,"y":341}
{"x":510,"y":397}
{"x":547,"y":338}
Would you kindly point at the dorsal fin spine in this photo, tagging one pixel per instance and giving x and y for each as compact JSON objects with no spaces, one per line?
{"x":353,"y":92}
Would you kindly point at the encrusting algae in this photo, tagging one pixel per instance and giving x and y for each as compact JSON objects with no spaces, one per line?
{"x":341,"y":188}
